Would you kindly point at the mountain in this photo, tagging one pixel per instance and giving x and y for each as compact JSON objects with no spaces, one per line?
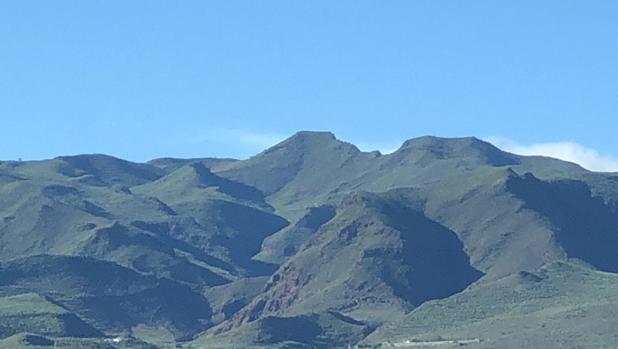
{"x":562,"y":305}
{"x":311,"y":243}
{"x":285,"y":243}
{"x":95,"y":169}
{"x":215,"y":204}
{"x":376,"y":258}
{"x":300,"y":171}
{"x":168,"y":165}
{"x":27,"y":312}
{"x":106,"y":295}
{"x":195,"y":179}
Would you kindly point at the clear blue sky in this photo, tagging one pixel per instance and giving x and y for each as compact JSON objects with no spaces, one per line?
{"x":144,"y":79}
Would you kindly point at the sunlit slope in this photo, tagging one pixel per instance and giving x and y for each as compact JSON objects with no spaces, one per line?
{"x":311,"y":243}
{"x":563,"y":305}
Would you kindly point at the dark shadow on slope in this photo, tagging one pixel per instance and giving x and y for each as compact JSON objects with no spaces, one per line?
{"x":76,"y":327}
{"x":166,"y":233}
{"x":376,"y":252}
{"x":324,"y":330}
{"x":308,"y":225}
{"x":72,"y":197}
{"x":57,"y":325}
{"x":170,"y":165}
{"x":285,"y":243}
{"x":245,"y":237}
{"x":107,"y":170}
{"x":108,"y":296}
{"x":232,"y":188}
{"x":584,"y":225}
{"x":149,"y":254}
{"x":40,"y":341}
{"x":299,"y":329}
{"x":166,"y":303}
{"x":6,"y":178}
{"x":436,"y":264}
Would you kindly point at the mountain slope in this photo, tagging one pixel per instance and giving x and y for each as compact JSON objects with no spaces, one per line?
{"x":375,"y":259}
{"x":288,"y":241}
{"x":90,"y":169}
{"x":311,"y":243}
{"x":30,"y":312}
{"x":169,"y":165}
{"x":561,"y":305}
{"x":474,"y":173}
{"x":315,"y":167}
{"x":325,"y":330}
{"x":189,"y":179}
{"x":105,"y":295}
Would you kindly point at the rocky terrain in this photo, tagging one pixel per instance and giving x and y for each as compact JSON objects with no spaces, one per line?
{"x":310,"y":244}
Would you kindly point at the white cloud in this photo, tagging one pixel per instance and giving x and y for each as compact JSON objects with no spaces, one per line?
{"x":258,"y":140}
{"x":568,"y":151}
{"x":254,"y":140}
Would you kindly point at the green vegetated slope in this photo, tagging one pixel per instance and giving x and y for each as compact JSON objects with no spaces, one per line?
{"x":311,"y":244}
{"x":91,"y":208}
{"x":106,"y":295}
{"x":310,"y":330}
{"x":490,"y":200}
{"x":31,"y":312}
{"x":227,"y":213}
{"x":277,"y":247}
{"x":35,"y":341}
{"x":169,"y":165}
{"x":562,"y":305}
{"x":377,"y":257}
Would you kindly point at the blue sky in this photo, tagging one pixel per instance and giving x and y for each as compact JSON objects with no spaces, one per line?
{"x":144,"y":79}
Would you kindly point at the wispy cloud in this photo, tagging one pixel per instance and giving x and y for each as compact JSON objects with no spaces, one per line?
{"x":569,"y":151}
{"x":254,"y":140}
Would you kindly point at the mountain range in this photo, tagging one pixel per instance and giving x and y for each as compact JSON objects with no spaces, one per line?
{"x":311,"y":243}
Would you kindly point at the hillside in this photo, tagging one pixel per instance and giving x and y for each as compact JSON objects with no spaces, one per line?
{"x":560,"y":305}
{"x":311,"y":243}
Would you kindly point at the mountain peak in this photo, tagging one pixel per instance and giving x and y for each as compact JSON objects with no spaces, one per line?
{"x":307,"y":138}
{"x":465,"y":147}
{"x":105,"y":169}
{"x":314,"y":135}
{"x":434,"y":141}
{"x":300,"y":156}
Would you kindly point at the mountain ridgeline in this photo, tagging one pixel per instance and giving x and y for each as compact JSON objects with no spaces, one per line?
{"x":310,"y":244}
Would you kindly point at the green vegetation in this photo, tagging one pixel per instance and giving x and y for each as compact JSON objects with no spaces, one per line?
{"x":562,"y":305}
{"x":32,"y":313}
{"x":309,"y":244}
